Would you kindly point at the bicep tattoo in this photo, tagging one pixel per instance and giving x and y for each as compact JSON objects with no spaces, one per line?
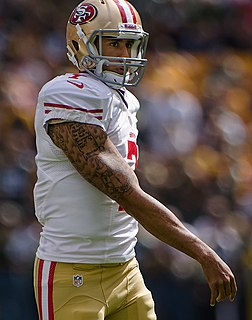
{"x":94,"y":158}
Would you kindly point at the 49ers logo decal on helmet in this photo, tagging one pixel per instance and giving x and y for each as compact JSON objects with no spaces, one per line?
{"x":83,"y":13}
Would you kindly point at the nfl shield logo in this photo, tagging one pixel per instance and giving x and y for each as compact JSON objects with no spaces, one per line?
{"x":78,"y":280}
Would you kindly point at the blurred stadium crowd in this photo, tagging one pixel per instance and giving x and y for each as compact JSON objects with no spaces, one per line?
{"x":195,"y":143}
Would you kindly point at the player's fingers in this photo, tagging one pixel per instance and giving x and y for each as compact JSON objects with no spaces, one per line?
{"x":233,"y":289}
{"x":230,"y":289}
{"x":214,"y":294}
{"x":221,"y":293}
{"x":226,"y":289}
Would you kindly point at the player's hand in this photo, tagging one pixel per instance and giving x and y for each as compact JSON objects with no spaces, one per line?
{"x":220,"y":280}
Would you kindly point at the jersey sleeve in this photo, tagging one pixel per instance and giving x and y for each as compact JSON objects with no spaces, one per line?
{"x":63,"y":101}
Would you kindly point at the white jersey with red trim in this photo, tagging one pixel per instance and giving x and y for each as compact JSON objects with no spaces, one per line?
{"x":80,"y":223}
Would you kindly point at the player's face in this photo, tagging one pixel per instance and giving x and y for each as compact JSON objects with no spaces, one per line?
{"x":116,"y":48}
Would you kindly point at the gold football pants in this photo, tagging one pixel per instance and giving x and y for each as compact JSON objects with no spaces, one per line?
{"x":69,"y":291}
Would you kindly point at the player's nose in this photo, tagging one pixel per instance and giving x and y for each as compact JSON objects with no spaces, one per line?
{"x":124,"y":51}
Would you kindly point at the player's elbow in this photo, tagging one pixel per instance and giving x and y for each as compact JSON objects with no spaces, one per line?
{"x":132,"y":201}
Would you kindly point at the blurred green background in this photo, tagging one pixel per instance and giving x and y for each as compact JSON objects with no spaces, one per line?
{"x":195,"y":143}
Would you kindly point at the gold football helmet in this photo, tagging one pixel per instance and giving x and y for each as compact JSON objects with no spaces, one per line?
{"x":93,"y":19}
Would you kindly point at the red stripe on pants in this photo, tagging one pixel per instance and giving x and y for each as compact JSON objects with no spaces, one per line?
{"x":50,"y":291}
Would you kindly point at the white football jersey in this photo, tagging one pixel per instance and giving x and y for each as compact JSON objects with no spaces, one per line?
{"x":80,"y":223}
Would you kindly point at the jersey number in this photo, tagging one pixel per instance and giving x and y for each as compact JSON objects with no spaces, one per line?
{"x":133,"y":153}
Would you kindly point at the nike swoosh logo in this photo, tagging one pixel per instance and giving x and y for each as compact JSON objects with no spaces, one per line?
{"x":79,"y":85}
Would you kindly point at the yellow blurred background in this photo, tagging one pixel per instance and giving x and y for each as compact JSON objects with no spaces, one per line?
{"x":195,"y":144}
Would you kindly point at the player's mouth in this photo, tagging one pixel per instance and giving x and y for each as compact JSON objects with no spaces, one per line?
{"x":119,"y":70}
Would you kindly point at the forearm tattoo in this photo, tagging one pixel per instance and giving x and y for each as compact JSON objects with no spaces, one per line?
{"x":98,"y":162}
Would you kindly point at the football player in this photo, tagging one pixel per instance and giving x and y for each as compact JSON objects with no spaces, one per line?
{"x":87,"y":196}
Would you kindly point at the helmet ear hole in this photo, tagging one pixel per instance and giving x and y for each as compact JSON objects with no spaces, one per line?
{"x":76,"y":45}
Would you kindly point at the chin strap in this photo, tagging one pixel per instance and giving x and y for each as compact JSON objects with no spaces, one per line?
{"x":112,"y":79}
{"x":99,"y":67}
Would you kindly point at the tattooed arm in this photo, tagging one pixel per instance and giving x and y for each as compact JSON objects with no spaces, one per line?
{"x":95,"y":157}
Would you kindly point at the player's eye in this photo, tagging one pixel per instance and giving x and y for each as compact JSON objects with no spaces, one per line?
{"x":114,"y":43}
{"x":129,"y":44}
